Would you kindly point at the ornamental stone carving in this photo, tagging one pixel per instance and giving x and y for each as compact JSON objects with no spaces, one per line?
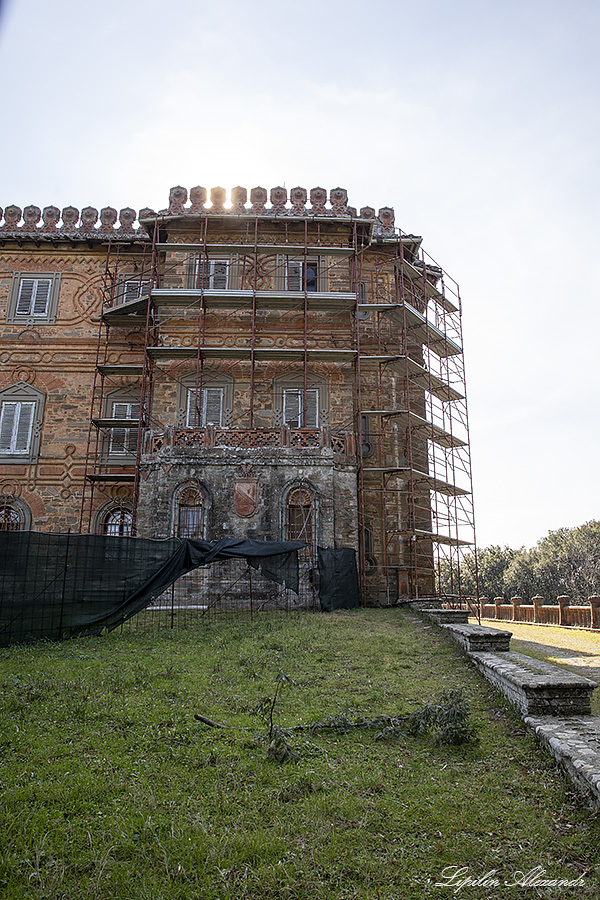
{"x":258,"y":198}
{"x":70,"y":224}
{"x":218,"y":195}
{"x":177,"y":197}
{"x":89,"y":217}
{"x":50,"y":216}
{"x":31,"y":217}
{"x":70,"y":218}
{"x":198,"y":199}
{"x":298,"y":196}
{"x":257,"y":276}
{"x":12,"y":217}
{"x":108,"y":219}
{"x":386,"y":217}
{"x":278,"y":199}
{"x":338,"y":197}
{"x":318,"y":199}
{"x":239,"y":196}
{"x":126,"y":220}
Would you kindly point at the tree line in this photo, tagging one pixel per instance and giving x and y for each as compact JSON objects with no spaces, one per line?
{"x":565,"y":562}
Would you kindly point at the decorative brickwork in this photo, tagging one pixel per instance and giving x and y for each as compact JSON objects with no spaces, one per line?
{"x":251,"y":347}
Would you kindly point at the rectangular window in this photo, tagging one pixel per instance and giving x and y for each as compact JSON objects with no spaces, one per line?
{"x":190,"y":522}
{"x":209,"y":411}
{"x":124,"y":440}
{"x":209,"y":274}
{"x":293,"y":408}
{"x":16,"y":426}
{"x":132,"y":290}
{"x":303,"y":276}
{"x":34,"y":297}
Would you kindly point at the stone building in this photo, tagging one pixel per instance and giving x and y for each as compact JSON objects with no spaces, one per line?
{"x":276,"y":367}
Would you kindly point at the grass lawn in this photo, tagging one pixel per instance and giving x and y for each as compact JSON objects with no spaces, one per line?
{"x":577,"y":649}
{"x":111,"y":788}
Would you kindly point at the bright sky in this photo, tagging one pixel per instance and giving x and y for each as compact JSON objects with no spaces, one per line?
{"x":477,"y":121}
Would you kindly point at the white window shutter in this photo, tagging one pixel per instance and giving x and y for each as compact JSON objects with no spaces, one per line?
{"x":193,"y":415}
{"x":41,"y":297}
{"x":219,"y":273}
{"x":294,"y":279}
{"x":7,"y":424}
{"x":202,"y":273}
{"x":292,"y":409}
{"x":199,"y":272}
{"x":212,"y":406}
{"x":132,"y":433}
{"x":312,"y":409}
{"x":124,"y":440}
{"x":131,"y":291}
{"x":16,"y":426}
{"x":24,"y":427}
{"x":191,"y":272}
{"x":26,"y":292}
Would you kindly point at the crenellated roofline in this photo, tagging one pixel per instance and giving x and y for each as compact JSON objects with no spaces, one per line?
{"x":71,"y":224}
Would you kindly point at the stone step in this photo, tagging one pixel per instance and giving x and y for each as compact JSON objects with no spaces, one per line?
{"x":478,"y":638}
{"x":575,"y":744}
{"x":447,"y":616}
{"x":536,"y":687}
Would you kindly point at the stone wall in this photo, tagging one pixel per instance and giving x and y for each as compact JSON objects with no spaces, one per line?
{"x":226,"y":476}
{"x":57,"y":358}
{"x":90,"y":256}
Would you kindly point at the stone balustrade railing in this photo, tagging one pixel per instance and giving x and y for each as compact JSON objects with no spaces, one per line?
{"x":563,"y":612}
{"x":212,"y":437}
{"x":72,"y":224}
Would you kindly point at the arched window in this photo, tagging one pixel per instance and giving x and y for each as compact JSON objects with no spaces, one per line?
{"x":300,"y":516}
{"x":118,"y":522}
{"x":12,"y":516}
{"x":189,"y":521}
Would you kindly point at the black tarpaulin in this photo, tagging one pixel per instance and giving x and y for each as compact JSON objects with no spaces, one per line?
{"x":338,"y":578}
{"x":57,"y":585}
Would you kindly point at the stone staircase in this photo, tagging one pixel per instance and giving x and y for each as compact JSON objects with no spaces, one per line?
{"x":554,"y":703}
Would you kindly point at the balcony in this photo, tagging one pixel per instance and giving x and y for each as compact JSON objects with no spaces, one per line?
{"x":340,"y":443}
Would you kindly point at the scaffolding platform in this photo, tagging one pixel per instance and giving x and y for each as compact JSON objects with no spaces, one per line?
{"x":384,"y":352}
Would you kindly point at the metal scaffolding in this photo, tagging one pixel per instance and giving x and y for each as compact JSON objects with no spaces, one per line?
{"x":395,"y":322}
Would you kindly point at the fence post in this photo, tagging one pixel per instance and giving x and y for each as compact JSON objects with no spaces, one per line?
{"x":538,"y":602}
{"x":594,"y":602}
{"x":563,"y":602}
{"x":516,"y":602}
{"x":497,"y":602}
